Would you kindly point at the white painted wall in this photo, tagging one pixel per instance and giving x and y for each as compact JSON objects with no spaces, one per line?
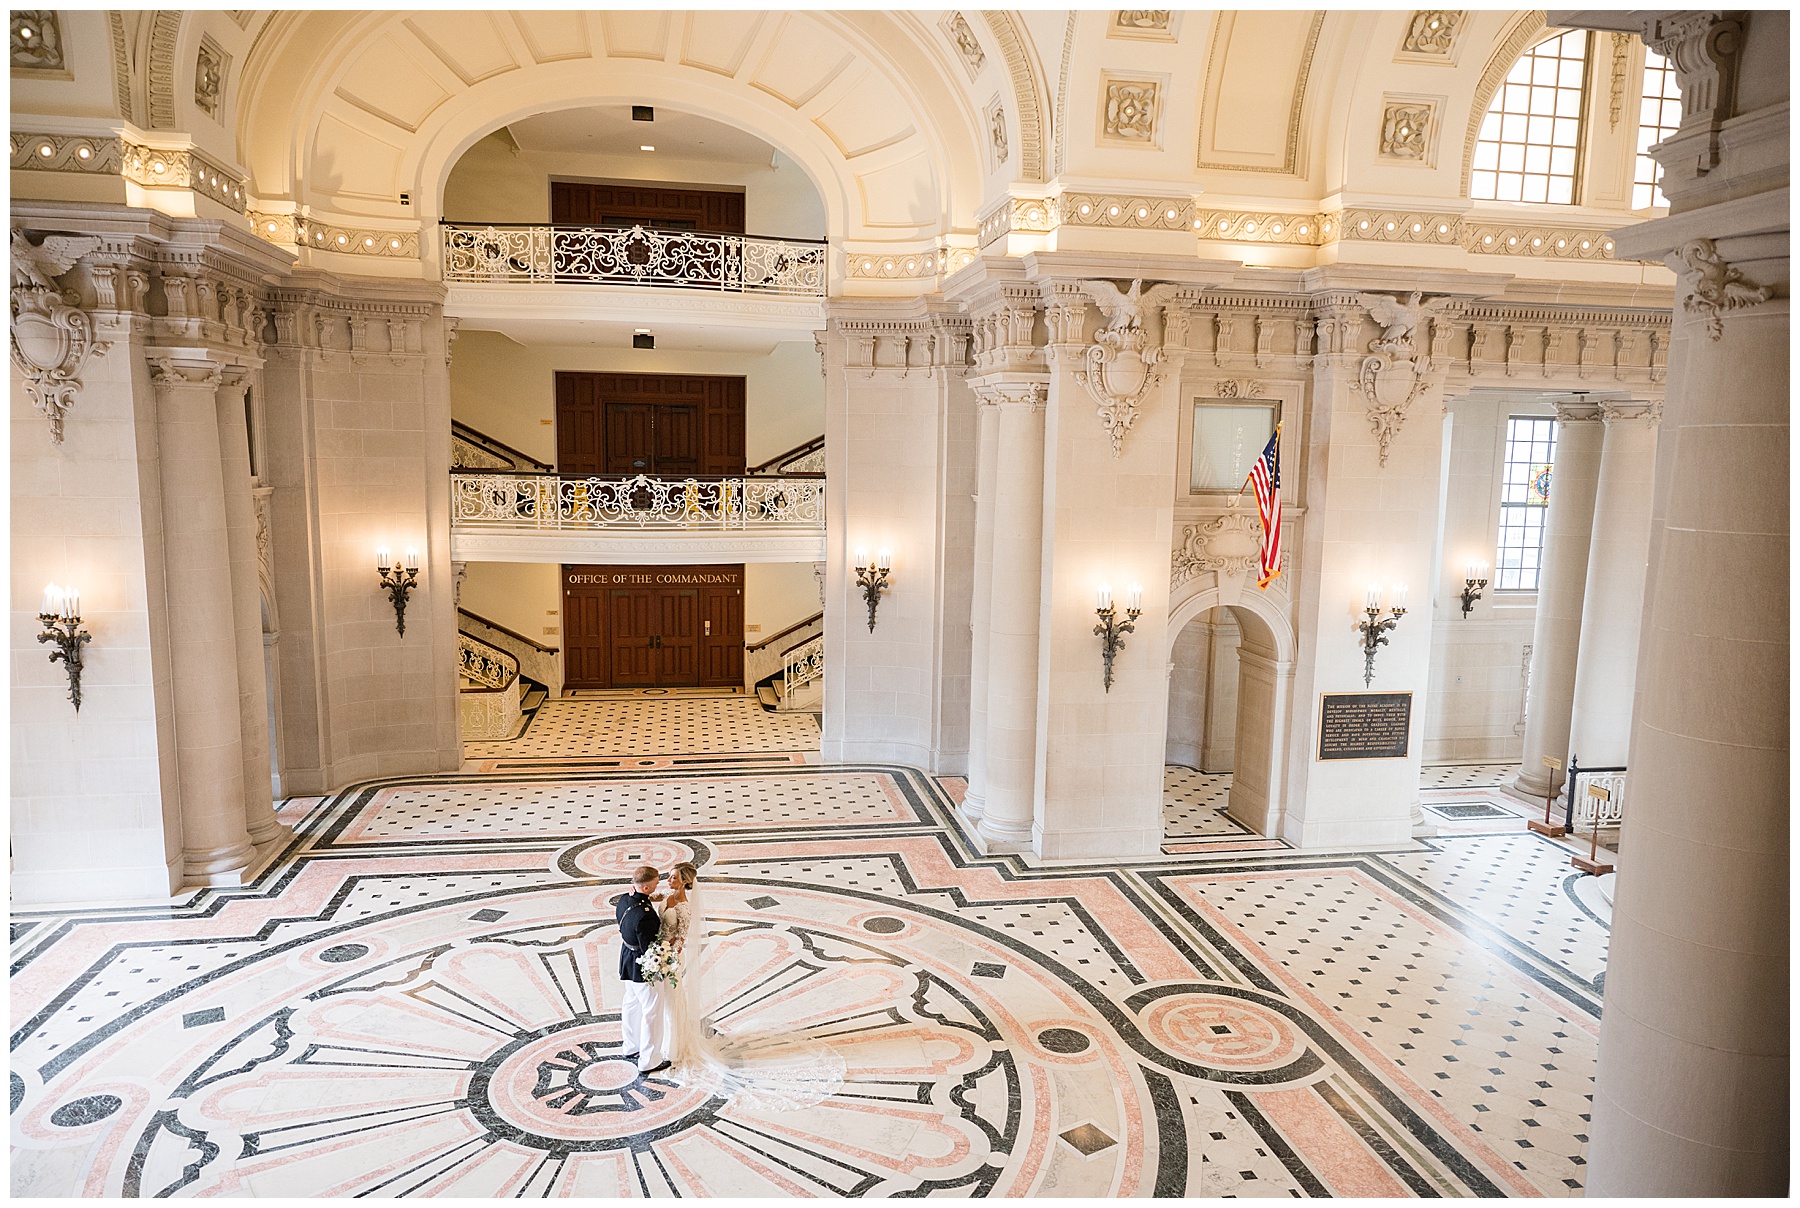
{"x":1476,"y":705}
{"x":508,"y":390}
{"x":525,"y":597}
{"x":494,"y":183}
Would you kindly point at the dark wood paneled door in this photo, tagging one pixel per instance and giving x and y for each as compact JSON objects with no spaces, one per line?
{"x":653,"y":626}
{"x":668,"y":425}
{"x":659,"y":206}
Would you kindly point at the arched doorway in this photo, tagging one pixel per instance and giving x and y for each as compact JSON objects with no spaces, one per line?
{"x":1231,"y":673}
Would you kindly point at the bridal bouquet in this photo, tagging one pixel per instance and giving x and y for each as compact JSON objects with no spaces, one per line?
{"x":661,"y":963}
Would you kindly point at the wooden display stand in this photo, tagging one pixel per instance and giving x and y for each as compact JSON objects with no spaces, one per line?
{"x":1546,"y":827}
{"x":1592,"y":865}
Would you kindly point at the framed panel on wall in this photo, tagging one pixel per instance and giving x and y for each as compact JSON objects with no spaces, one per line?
{"x":1229,"y":434}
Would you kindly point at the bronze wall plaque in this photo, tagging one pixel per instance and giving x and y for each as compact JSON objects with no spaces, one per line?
{"x":1365,"y":725}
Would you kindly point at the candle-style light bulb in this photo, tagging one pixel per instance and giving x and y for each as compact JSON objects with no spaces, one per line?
{"x":412,"y":559}
{"x":1471,"y":569}
{"x":885,"y":561}
{"x":1104,"y":597}
{"x":1399,"y":597}
{"x":48,"y":608}
{"x":381,"y":557}
{"x":1484,"y":570}
{"x":862,"y":559}
{"x":72,"y":605}
{"x":1372,"y":598}
{"x":1134,"y":599}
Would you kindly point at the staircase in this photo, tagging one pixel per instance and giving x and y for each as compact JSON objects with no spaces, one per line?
{"x":797,"y":462}
{"x":495,"y":701}
{"x":536,"y":661}
{"x":473,"y":449}
{"x":799,"y":687}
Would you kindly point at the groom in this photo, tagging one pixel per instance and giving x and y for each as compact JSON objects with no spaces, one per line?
{"x":640,"y":1024}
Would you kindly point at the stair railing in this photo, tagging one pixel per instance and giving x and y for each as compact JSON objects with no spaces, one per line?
{"x":804,"y":664}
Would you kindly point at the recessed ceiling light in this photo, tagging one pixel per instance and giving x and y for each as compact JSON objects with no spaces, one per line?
{"x":642,"y":331}
{"x":646,"y":147}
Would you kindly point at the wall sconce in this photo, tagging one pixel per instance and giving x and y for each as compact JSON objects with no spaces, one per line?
{"x":398,"y":581}
{"x":873,"y":579}
{"x":1111,"y":631}
{"x":1477,"y":579}
{"x":61,"y":617}
{"x":1374,"y":630}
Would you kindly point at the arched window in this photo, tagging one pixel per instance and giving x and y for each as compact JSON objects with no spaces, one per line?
{"x":1530,"y":140}
{"x":1659,"y":113}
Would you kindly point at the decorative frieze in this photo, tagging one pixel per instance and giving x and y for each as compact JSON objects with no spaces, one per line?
{"x":1258,"y":226}
{"x":1556,"y":242}
{"x":1408,"y":127}
{"x":65,"y":153}
{"x":1131,"y":109}
{"x":1157,"y":24}
{"x":150,"y":167}
{"x":935,"y":263}
{"x":210,"y":65}
{"x":1431,"y":34}
{"x":360,"y":241}
{"x":37,"y":43}
{"x":968,"y":46}
{"x":1561,"y":242}
{"x":1124,"y":210}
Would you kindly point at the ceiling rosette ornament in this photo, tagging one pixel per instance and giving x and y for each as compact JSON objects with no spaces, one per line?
{"x":52,"y":337}
{"x":1394,"y":372}
{"x":1122,"y":365}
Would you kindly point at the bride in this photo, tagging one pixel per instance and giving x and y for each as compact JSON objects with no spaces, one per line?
{"x":780,"y":1072}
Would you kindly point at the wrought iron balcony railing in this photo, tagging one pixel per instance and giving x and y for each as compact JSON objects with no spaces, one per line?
{"x":548,"y":501}
{"x":509,"y":253}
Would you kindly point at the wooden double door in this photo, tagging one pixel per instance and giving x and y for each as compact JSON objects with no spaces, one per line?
{"x":646,"y":203}
{"x":657,"y":424}
{"x":653,"y":626}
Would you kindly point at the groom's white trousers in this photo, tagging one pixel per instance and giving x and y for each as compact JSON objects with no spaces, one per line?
{"x":641,"y":1026}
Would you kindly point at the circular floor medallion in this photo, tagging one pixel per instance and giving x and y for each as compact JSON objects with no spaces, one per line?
{"x":567,"y":1088}
{"x":1222,"y":1032}
{"x":341,"y":953}
{"x":1064,"y":1040}
{"x":883,"y":925}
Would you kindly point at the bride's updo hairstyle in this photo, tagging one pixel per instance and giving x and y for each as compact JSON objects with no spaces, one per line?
{"x":689,"y":874}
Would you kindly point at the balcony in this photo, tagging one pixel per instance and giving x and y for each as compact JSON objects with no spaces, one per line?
{"x":524,"y":517}
{"x":512,"y":254}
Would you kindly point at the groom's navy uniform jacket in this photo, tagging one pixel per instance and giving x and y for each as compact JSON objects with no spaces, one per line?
{"x":638,"y":926}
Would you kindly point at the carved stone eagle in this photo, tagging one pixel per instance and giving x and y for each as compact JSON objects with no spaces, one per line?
{"x":1126,"y":308}
{"x":39,"y":265}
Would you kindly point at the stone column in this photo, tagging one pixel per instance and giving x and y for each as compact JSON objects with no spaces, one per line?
{"x":980,"y":609}
{"x":1562,"y":579}
{"x":1691,"y":1091}
{"x":203,"y":646}
{"x":1613,"y":604}
{"x":1012,"y":655}
{"x":240,"y":525}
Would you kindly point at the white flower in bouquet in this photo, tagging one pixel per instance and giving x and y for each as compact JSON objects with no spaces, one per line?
{"x":661,"y":963}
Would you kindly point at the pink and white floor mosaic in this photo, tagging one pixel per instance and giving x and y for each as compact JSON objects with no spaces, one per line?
{"x":420,"y":997}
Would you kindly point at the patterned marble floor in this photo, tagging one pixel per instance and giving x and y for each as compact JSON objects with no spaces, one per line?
{"x":648,"y":724}
{"x":416,"y":999}
{"x":1465,"y":775}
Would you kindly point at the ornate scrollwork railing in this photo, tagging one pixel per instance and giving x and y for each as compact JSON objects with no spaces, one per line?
{"x":578,"y":255}
{"x":486,"y":665}
{"x":547,"y":501}
{"x":805,"y":663}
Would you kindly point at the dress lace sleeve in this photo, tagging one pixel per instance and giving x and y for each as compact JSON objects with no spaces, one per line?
{"x":675,"y":925}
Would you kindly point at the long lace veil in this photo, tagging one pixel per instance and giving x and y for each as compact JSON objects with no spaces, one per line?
{"x":777,"y":1071}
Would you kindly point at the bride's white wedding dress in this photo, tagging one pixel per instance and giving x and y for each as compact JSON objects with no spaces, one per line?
{"x":773,"y":1071}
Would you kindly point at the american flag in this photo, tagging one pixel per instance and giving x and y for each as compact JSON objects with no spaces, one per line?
{"x":1265,"y":478}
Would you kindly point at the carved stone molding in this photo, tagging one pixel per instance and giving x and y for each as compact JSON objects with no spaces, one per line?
{"x":210,"y":67}
{"x":1705,"y":48}
{"x":1431,"y":34}
{"x":1028,"y":395}
{"x":64,"y":153}
{"x":52,"y":337}
{"x":1629,"y":410}
{"x":1556,"y":242}
{"x":361,"y":241}
{"x":1394,"y":372}
{"x":968,"y":46}
{"x":1713,"y":286}
{"x":1240,"y":388}
{"x":159,"y":68}
{"x":1122,"y":366}
{"x":1157,"y":24}
{"x":1407,"y":129}
{"x":1621,"y":63}
{"x":37,"y":44}
{"x":996,"y":121}
{"x":1131,"y":110}
{"x":1123,"y":210}
{"x":1257,"y":226}
{"x":180,"y":168}
{"x":1230,"y":545}
{"x":1007,"y":31}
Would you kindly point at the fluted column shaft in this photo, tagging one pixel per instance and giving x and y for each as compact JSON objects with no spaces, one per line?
{"x":202,"y":622}
{"x":1562,"y":581}
{"x":980,"y":607}
{"x":1012,"y":710}
{"x":240,"y":526}
{"x":1613,"y":604}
